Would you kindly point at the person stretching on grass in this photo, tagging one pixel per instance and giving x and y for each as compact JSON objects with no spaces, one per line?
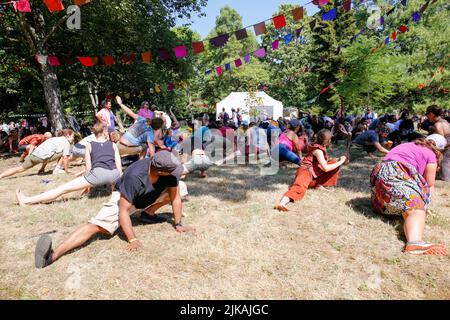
{"x":316,"y":171}
{"x":28,"y":144}
{"x":402,"y":185}
{"x":103,"y":167}
{"x":147,"y":186}
{"x":53,"y":149}
{"x":370,"y":140}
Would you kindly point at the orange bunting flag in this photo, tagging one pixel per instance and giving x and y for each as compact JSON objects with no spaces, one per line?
{"x":297,"y":14}
{"x":260,"y":28}
{"x":81,"y":2}
{"x":146,"y":57}
{"x":54,"y":5}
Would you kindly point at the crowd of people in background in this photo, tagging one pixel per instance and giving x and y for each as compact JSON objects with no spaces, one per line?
{"x":156,"y":146}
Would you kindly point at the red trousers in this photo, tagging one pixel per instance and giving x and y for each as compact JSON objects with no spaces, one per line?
{"x":304,"y":181}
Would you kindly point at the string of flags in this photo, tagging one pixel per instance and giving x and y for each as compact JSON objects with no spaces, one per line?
{"x":52,"y":5}
{"x":394,"y":36}
{"x":440,"y":70}
{"x":279,"y":23}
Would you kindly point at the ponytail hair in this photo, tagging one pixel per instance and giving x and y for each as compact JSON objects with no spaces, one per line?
{"x":431,"y":145}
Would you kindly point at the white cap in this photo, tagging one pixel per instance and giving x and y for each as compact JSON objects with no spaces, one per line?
{"x":440,"y":141}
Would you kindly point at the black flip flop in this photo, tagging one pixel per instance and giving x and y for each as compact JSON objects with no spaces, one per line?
{"x":43,"y":252}
{"x":148,"y":219}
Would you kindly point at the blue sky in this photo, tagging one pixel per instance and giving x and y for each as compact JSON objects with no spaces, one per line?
{"x":252,"y":12}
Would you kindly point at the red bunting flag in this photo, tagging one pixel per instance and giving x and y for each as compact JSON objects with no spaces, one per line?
{"x":128,"y":58}
{"x":146,"y":57}
{"x":109,"y":60}
{"x":198,"y":47}
{"x":297,"y":14}
{"x":88,"y":61}
{"x":394,"y":35}
{"x":279,"y":21}
{"x":347,"y":5}
{"x":403,"y":29}
{"x":53,"y":61}
{"x":54,"y":5}
{"x":219,"y":70}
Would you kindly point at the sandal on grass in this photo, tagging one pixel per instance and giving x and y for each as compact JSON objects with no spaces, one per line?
{"x":421,"y":248}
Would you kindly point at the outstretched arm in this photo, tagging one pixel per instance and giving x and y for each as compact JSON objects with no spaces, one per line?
{"x":381,"y":148}
{"x":127,"y":110}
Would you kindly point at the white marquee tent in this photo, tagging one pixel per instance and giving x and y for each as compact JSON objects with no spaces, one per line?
{"x":252,"y":108}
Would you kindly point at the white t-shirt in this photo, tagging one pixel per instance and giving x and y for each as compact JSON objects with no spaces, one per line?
{"x":51,"y":147}
{"x":87,"y":140}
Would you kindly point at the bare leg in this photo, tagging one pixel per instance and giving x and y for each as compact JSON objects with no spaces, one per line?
{"x":74,"y":185}
{"x":77,"y":239}
{"x":12,"y":171}
{"x":414,"y":225}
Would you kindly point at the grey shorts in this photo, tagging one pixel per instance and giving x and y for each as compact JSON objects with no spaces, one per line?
{"x":101,"y":176}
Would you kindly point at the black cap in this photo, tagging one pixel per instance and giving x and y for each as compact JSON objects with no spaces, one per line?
{"x":166,"y":162}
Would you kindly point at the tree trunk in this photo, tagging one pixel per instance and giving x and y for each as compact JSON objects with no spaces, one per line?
{"x":93,"y":96}
{"x":52,"y":95}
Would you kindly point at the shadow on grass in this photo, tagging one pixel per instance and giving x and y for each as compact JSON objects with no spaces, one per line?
{"x":363,"y":206}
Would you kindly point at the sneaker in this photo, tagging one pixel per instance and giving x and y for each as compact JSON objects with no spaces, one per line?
{"x":43,"y":252}
{"x":148,"y":219}
{"x":421,"y":248}
{"x":58,"y":170}
{"x":198,"y":163}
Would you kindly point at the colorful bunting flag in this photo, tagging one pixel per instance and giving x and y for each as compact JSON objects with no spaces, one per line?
{"x":170,"y":86}
{"x":41,"y":59}
{"x":109,"y":60}
{"x":88,"y":61}
{"x":320,"y":2}
{"x":275,"y":45}
{"x":68,"y":60}
{"x":347,"y":5}
{"x":241,"y":34}
{"x":219,"y":41}
{"x":157,"y":89}
{"x":298,"y":32}
{"x":146,"y":57}
{"x":81,"y":2}
{"x":54,"y":5}
{"x":22,"y":6}
{"x":163,"y":55}
{"x":219,"y":70}
{"x":279,"y":22}
{"x":416,"y":16}
{"x":382,"y":20}
{"x":287,"y":39}
{"x":198,"y":47}
{"x":330,"y":15}
{"x":238,"y":63}
{"x":386,"y":41}
{"x":403,"y":29}
{"x":128,"y":58}
{"x":260,"y":28}
{"x":404,"y":2}
{"x":394,"y":35}
{"x":208,"y":71}
{"x":228,"y":67}
{"x":297,"y":13}
{"x":260,"y":53}
{"x":53,"y":61}
{"x":247,"y":58}
{"x":180,"y":52}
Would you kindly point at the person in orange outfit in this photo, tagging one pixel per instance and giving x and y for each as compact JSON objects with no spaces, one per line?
{"x":316,"y":171}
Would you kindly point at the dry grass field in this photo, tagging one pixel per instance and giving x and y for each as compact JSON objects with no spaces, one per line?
{"x":330,"y":246}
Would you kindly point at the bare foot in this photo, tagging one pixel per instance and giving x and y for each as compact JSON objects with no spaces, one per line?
{"x":20,"y":198}
{"x":281,"y":208}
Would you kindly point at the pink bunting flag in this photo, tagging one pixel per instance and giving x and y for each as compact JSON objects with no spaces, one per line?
{"x":260,"y":53}
{"x":238,"y":63}
{"x":22,"y":6}
{"x":53,"y":61}
{"x":170,"y":86}
{"x":219,"y":70}
{"x":180,"y":52}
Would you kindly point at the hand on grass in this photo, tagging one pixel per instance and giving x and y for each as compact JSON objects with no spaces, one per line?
{"x":183,"y":229}
{"x":135,"y":246}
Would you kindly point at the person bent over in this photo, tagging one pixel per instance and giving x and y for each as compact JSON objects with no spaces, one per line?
{"x":28,"y":144}
{"x":148,"y":185}
{"x":316,"y":171}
